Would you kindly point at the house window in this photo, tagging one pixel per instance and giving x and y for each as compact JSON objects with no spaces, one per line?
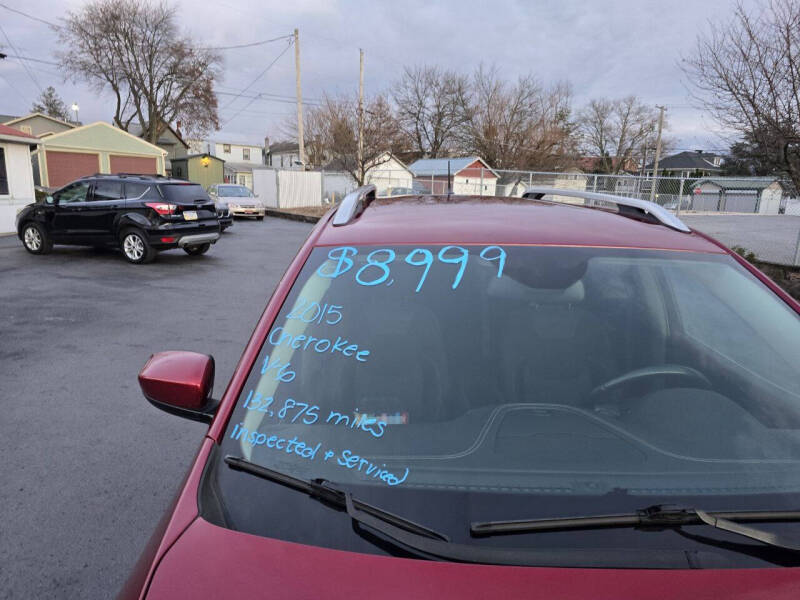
{"x":25,"y":129}
{"x":3,"y":173}
{"x":226,"y":148}
{"x":245,"y":153}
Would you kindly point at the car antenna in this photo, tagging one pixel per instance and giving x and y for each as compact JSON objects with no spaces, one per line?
{"x":449,"y":187}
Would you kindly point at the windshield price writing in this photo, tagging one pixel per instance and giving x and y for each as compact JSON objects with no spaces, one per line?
{"x":377,"y":270}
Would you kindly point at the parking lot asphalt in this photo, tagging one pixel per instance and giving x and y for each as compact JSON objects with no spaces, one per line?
{"x":89,"y":466}
{"x":772,"y":237}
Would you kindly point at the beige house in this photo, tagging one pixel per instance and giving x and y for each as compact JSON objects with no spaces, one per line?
{"x":39,"y":125}
{"x":16,"y":175}
{"x":96,"y":148}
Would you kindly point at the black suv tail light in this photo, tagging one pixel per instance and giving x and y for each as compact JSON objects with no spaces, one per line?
{"x":163,"y":208}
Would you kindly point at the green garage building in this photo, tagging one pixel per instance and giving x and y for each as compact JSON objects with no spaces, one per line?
{"x":204,"y":169}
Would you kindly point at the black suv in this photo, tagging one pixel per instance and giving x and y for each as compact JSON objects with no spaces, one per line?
{"x":141,"y":214}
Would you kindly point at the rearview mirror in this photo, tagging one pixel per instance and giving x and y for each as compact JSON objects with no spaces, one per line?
{"x":49,"y":200}
{"x":180,"y":383}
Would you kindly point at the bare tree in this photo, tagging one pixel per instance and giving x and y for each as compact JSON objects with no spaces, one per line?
{"x":517,"y":126}
{"x":333,"y":130}
{"x":618,"y":132}
{"x":50,"y":103}
{"x":134,"y":49}
{"x":746,"y":73}
{"x":429,"y":103}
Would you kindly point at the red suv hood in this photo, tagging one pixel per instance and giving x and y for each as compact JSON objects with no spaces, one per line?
{"x":212,"y":562}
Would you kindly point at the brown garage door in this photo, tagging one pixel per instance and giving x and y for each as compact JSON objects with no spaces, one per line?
{"x":63,"y":167}
{"x":133,"y":164}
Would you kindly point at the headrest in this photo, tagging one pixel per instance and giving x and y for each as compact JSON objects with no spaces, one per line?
{"x":511,"y":289}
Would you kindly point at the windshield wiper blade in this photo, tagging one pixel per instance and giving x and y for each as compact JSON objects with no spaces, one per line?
{"x":658,"y":516}
{"x":324,"y":490}
{"x":429,"y":544}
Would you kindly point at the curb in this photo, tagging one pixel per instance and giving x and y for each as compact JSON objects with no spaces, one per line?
{"x":271,"y":212}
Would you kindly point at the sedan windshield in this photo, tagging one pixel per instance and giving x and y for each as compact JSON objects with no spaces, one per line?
{"x":465,"y":383}
{"x":233,"y":191}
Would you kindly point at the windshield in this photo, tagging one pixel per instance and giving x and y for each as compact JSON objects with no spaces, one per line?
{"x":520,"y":382}
{"x":233,"y":191}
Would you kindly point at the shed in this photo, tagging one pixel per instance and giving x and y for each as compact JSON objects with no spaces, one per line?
{"x":388,"y":171}
{"x":761,"y":195}
{"x":470,"y":175}
{"x":96,"y":148}
{"x":514,"y":183}
{"x":385,"y":171}
{"x":199,"y":168}
{"x":240,"y":173}
{"x":16,"y":174}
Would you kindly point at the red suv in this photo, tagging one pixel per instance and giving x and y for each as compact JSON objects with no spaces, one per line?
{"x":494,"y":397}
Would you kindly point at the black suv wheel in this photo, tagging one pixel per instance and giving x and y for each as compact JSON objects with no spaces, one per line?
{"x":35,"y":239}
{"x":135,"y":247}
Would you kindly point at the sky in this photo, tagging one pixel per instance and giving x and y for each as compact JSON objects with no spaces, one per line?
{"x":608,"y":48}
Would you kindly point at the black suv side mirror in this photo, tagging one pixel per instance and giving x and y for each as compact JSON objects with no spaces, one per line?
{"x":49,"y":199}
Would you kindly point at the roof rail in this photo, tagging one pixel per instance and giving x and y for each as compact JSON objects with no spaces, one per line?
{"x":353,"y":204}
{"x":650,"y":209}
{"x":123,"y":175}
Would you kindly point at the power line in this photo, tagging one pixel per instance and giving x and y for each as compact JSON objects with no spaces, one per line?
{"x":37,"y":60}
{"x":24,"y":14}
{"x":16,"y":91}
{"x":250,"y":45}
{"x":24,"y":64}
{"x":267,"y":94}
{"x":263,"y":97}
{"x":259,"y":76}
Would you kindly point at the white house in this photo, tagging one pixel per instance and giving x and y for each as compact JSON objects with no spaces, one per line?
{"x":388,"y":172}
{"x":470,"y":175}
{"x":284,"y":155}
{"x":760,"y":195}
{"x":16,"y":174}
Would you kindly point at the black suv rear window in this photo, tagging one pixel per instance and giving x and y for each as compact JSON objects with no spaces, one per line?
{"x":183,"y":192}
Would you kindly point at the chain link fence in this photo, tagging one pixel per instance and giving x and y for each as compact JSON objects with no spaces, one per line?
{"x":758,"y":214}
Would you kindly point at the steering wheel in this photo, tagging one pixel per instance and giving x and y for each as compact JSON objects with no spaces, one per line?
{"x":647,"y":372}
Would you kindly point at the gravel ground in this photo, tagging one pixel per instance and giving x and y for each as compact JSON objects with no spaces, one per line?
{"x":88,"y":465}
{"x":772,"y":238}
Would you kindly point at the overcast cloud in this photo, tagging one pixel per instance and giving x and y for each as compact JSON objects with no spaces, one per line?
{"x":610,"y":48}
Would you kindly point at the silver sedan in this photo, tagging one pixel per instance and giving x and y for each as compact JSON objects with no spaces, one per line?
{"x":239,"y":199}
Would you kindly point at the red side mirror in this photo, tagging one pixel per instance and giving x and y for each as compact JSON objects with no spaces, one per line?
{"x":180,"y":383}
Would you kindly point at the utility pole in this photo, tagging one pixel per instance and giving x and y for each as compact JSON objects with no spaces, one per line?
{"x":301,"y":147}
{"x":361,"y":113}
{"x":658,"y":152}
